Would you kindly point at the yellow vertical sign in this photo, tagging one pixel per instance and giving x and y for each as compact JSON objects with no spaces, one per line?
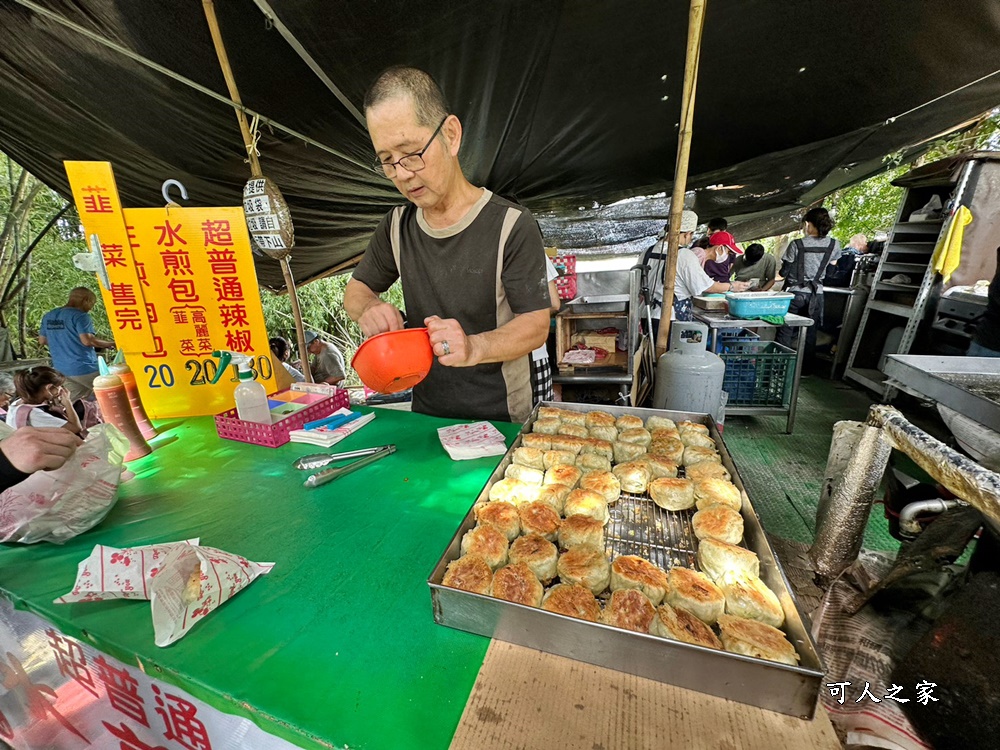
{"x":100,"y":209}
{"x":189,"y":273}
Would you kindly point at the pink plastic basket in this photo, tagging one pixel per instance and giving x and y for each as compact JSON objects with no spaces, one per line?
{"x":231,"y":427}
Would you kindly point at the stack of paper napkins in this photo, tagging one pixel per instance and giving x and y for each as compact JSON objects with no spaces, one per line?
{"x":464,"y":441}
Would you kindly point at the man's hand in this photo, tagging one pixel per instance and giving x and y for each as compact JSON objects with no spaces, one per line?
{"x":450,"y":344}
{"x":379,"y":318}
{"x":31,"y":449}
{"x":740,"y":286}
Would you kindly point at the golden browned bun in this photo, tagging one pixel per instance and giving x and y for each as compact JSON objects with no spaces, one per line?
{"x":629,"y":609}
{"x":568,"y":443}
{"x":524,"y":474}
{"x":539,"y":518}
{"x":718,"y":560}
{"x":671,"y":493}
{"x":555,"y":458}
{"x":579,"y":530}
{"x":516,"y":583}
{"x":718,"y":522}
{"x":695,"y":455}
{"x":749,"y":597}
{"x":697,"y":439}
{"x":660,"y":423}
{"x":468,"y":573}
{"x":604,"y":483}
{"x":548,"y":412}
{"x":752,"y":638}
{"x":554,"y":495}
{"x":546,"y":426}
{"x":665,"y":434}
{"x":607,"y":433}
{"x":574,"y":430}
{"x":530,"y":457}
{"x":692,"y":426}
{"x":587,"y":566}
{"x":671,"y":449}
{"x":628,"y":422}
{"x":592,"y":462}
{"x":501,"y":515}
{"x":563,"y":474}
{"x":713,"y":491}
{"x":536,"y":440}
{"x":537,"y":553}
{"x":599,"y":447}
{"x":625,"y":452}
{"x":659,"y":466}
{"x":632,"y":572}
{"x":587,"y":503}
{"x":573,"y":417}
{"x":637,"y":436}
{"x":572,"y":600}
{"x":512,"y":491}
{"x":694,"y":592}
{"x":706,"y":470}
{"x":487,"y":542}
{"x":682,"y":626}
{"x":633,"y":475}
{"x":598,"y":419}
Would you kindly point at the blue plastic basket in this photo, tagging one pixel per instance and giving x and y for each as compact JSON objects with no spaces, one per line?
{"x":749,"y":305}
{"x":726,"y":338}
{"x":758,"y":373}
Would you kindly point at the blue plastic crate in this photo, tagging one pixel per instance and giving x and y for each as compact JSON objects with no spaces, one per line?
{"x":758,"y":373}
{"x":749,"y":305}
{"x":726,"y":338}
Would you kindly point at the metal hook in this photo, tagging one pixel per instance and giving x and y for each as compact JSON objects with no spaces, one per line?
{"x":165,"y":191}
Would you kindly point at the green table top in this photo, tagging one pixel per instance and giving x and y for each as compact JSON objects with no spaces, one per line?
{"x":337,"y":645}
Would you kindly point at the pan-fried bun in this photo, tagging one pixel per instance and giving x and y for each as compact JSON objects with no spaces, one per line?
{"x":665,"y":434}
{"x":531,"y":457}
{"x":555,"y":458}
{"x":633,"y":475}
{"x":706,"y":470}
{"x":536,"y":440}
{"x":604,"y":483}
{"x":660,"y":423}
{"x":598,"y":419}
{"x":572,"y":600}
{"x":752,"y":638}
{"x":599,"y":447}
{"x":547,"y":426}
{"x":749,"y":597}
{"x":587,"y":566}
{"x":682,"y":626}
{"x":577,"y":530}
{"x":718,"y":560}
{"x":718,"y":522}
{"x":632,"y":572}
{"x":524,"y":474}
{"x":548,"y":412}
{"x":695,"y":592}
{"x":603,"y":432}
{"x":659,"y":466}
{"x":593,"y":462}
{"x":695,"y":455}
{"x":539,"y":518}
{"x":512,"y":491}
{"x":587,"y":503}
{"x":692,"y":426}
{"x":568,"y":443}
{"x":629,"y":609}
{"x":501,"y":515}
{"x":671,"y":493}
{"x":537,"y":553}
{"x":638,"y":436}
{"x":573,"y":417}
{"x":574,"y":430}
{"x":625,"y":452}
{"x":692,"y":438}
{"x":554,"y":495}
{"x":563,"y":474}
{"x":628,"y":422}
{"x":516,"y":583}
{"x":670,"y":448}
{"x":713,"y":491}
{"x":469,"y":573}
{"x":487,"y":542}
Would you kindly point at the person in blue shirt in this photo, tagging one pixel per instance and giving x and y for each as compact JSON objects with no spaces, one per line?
{"x":68,"y":331}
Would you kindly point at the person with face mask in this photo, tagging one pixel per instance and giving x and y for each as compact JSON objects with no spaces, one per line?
{"x":755,"y":265}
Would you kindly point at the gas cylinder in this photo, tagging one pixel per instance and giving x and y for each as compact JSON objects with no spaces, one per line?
{"x":689,"y":378}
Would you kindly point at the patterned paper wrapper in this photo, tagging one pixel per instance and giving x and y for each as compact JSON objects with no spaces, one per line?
{"x":183,"y":581}
{"x":474,"y":440}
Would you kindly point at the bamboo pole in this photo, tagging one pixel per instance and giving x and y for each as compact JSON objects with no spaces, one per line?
{"x":300,"y":333}
{"x":696,"y":22}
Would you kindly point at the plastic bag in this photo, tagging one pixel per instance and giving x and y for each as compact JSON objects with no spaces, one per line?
{"x":53,"y":506}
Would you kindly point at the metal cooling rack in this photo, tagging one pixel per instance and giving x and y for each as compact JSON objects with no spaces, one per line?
{"x":638,"y":526}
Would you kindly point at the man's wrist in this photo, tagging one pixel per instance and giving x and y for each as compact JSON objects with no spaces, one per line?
{"x":475,"y":346}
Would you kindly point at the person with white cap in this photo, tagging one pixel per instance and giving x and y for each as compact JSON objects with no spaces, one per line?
{"x":691,"y":279}
{"x":327,"y":362}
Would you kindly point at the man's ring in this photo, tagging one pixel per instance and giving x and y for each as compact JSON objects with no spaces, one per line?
{"x":446,"y":347}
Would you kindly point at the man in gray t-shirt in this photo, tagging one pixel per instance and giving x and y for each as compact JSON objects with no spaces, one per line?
{"x":472,"y":265}
{"x":327,"y":365}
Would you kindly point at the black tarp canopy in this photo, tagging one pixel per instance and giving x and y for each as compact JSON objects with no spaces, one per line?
{"x":566,"y":104}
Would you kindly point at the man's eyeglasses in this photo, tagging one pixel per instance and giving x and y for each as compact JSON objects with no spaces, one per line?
{"x":411,"y":162}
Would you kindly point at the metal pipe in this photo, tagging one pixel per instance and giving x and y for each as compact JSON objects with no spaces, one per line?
{"x":908,"y":523}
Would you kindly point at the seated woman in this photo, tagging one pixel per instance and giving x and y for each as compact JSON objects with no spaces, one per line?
{"x":282,"y":351}
{"x":43,"y":401}
{"x":756,"y":265}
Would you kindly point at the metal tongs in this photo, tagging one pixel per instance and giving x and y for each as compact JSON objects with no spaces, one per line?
{"x":368,"y":456}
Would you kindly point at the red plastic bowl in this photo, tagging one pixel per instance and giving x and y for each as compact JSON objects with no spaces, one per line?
{"x":394,"y":361}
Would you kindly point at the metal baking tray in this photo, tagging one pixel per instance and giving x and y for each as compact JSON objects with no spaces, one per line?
{"x":640,"y":527}
{"x":609,"y":303}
